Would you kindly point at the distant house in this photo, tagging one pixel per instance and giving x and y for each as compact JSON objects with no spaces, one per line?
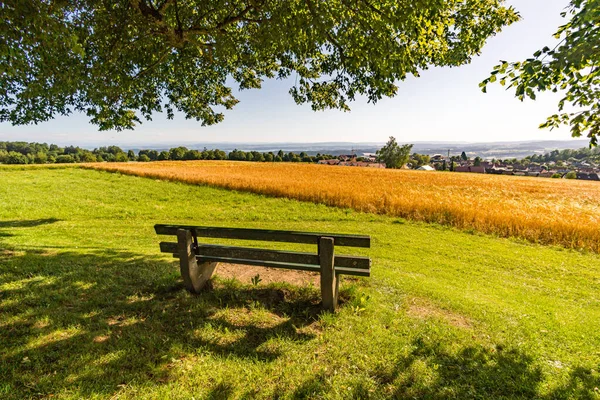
{"x":330,"y":162}
{"x":587,"y":177}
{"x":426,"y":168}
{"x":351,"y":163}
{"x":470,"y":168}
{"x":356,"y":164}
{"x":370,"y":157}
{"x":587,"y":170}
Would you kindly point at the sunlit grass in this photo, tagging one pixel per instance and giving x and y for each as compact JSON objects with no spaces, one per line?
{"x":548,"y":211}
{"x":90,"y":309}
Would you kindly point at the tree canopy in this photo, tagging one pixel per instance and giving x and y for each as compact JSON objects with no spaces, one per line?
{"x":572,"y":67}
{"x":121,"y":61}
{"x":393,"y":155}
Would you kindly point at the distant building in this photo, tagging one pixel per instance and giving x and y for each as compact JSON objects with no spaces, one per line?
{"x":330,"y":162}
{"x":472,"y":169}
{"x":351,"y":163}
{"x":370,"y":157}
{"x":587,"y":177}
{"x":347,"y":157}
{"x":426,"y":168}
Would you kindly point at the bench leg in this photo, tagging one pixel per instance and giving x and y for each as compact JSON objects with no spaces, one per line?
{"x":329,"y":279}
{"x":195,"y":276}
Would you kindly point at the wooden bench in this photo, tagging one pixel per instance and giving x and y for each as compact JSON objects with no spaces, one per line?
{"x":198,"y":261}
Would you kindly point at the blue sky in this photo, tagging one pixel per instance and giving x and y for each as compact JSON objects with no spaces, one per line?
{"x":444,"y":104}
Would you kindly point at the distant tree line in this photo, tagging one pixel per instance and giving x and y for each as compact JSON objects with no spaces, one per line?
{"x":392,"y":154}
{"x":585,"y":153}
{"x":42,"y":153}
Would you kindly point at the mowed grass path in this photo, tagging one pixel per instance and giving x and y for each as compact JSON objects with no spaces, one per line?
{"x":89,"y":308}
{"x":562,"y":212}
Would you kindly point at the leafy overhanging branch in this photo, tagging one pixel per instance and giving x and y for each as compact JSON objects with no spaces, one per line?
{"x":122,"y":61}
{"x":572,"y":67}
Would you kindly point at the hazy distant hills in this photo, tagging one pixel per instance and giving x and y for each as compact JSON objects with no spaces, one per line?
{"x":500,"y":149}
{"x":485,"y":150}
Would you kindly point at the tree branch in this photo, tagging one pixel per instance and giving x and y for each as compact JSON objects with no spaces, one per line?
{"x":148,"y":11}
{"x":164,"y":5}
{"x":241,"y":16}
{"x":153,"y":65}
{"x":376,"y":10}
{"x":333,"y":41}
{"x":234,"y":19}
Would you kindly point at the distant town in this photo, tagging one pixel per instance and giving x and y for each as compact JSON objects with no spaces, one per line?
{"x":569,"y":164}
{"x":583,"y":164}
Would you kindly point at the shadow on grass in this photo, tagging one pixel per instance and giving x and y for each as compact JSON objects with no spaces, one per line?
{"x":468,"y":373}
{"x":89,"y":323}
{"x":471,"y":373}
{"x":95,"y":321}
{"x":30,"y":223}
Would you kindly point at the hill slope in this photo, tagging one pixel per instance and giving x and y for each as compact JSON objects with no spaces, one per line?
{"x":90,"y":308}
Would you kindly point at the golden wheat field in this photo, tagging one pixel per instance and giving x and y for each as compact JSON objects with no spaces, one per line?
{"x":548,"y":211}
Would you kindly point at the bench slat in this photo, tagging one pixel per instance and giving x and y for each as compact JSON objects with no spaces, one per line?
{"x":210,"y":250}
{"x":266,"y":235}
{"x":275,"y":264}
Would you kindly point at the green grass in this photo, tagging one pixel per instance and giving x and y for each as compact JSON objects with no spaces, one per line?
{"x":89,"y":308}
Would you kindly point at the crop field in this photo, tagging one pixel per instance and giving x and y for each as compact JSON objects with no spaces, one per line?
{"x":547,"y":211}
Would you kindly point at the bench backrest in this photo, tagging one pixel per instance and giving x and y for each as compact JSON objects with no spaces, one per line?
{"x":265,"y":235}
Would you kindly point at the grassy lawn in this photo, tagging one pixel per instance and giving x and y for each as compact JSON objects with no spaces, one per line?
{"x":89,"y":307}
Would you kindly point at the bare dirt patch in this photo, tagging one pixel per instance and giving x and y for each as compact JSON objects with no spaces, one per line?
{"x":118,"y":320}
{"x":245,"y":273}
{"x":41,"y":324}
{"x":11,"y":253}
{"x":100,"y":339}
{"x":423,"y":309}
